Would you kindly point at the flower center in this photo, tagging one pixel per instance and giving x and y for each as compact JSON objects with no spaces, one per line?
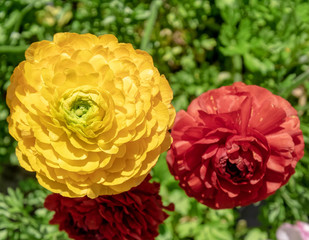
{"x":242,"y":158}
{"x":80,"y":107}
{"x":85,"y":110}
{"x":238,"y":169}
{"x":235,"y":168}
{"x":232,"y":169}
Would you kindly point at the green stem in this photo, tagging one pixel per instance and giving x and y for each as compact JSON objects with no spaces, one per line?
{"x":13,"y":49}
{"x":18,"y":21}
{"x":154,"y":8}
{"x":297,"y":81}
{"x":237,"y":68}
{"x":21,"y":16}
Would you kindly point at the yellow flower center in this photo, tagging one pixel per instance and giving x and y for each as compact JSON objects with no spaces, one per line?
{"x":80,"y":107}
{"x":81,"y":110}
{"x":85,"y":110}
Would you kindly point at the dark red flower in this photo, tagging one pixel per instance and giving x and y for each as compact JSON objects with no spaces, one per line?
{"x":235,"y":145}
{"x":135,"y":214}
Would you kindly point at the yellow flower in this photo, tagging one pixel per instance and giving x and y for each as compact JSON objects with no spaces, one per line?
{"x":91,"y":115}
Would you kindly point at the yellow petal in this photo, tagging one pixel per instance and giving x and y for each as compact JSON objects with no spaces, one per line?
{"x":91,"y":115}
{"x":66,"y":150}
{"x":55,"y":186}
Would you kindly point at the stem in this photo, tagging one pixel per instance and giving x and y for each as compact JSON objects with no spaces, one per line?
{"x":237,"y":68}
{"x":154,"y":7}
{"x":297,"y":81}
{"x":21,"y":16}
{"x":18,"y":21}
{"x":13,"y":49}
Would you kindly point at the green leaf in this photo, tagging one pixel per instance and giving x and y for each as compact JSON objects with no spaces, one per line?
{"x":189,"y":228}
{"x":256,"y":234}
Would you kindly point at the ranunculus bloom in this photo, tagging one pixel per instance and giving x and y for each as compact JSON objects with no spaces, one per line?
{"x":235,"y":145}
{"x":132,"y":215}
{"x":91,"y":115}
{"x":299,"y":231}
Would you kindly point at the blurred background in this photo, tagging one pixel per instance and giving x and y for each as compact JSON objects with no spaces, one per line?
{"x":198,"y":45}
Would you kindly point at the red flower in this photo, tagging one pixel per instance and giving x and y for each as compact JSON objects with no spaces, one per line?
{"x":135,"y":214}
{"x":235,"y":145}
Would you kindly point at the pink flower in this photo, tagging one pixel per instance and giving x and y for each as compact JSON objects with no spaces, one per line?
{"x":299,"y":231}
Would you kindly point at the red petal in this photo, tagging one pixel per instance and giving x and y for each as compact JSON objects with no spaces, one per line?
{"x":52,"y":202}
{"x":182,"y":121}
{"x":280,"y":142}
{"x":277,"y":163}
{"x":267,"y":118}
{"x":245,"y":114}
{"x":230,"y":189}
{"x":93,"y":221}
{"x":195,"y":183}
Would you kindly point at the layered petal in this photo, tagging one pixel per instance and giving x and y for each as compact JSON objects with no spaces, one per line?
{"x":135,"y":214}
{"x":235,"y":145}
{"x":87,"y":107}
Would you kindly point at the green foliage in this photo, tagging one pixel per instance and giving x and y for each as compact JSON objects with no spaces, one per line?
{"x":199,"y":45}
{"x":23,"y":217}
{"x":256,"y":234}
{"x":288,"y":204}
